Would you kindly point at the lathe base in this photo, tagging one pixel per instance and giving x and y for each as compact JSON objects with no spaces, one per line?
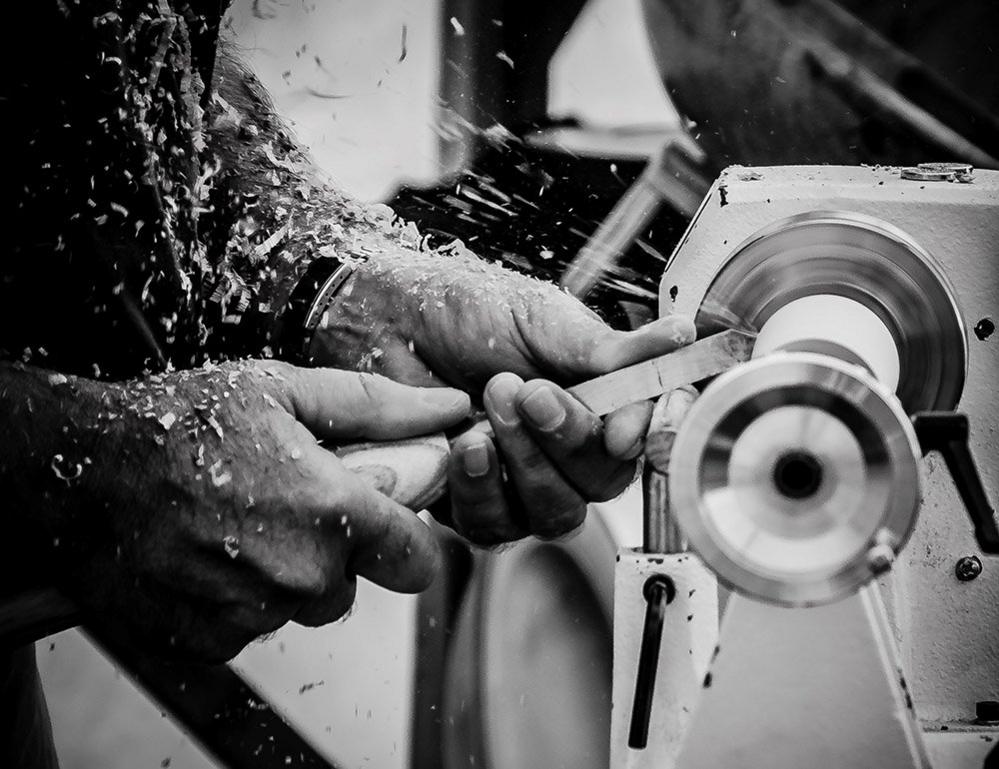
{"x":690,"y":633}
{"x":820,"y":687}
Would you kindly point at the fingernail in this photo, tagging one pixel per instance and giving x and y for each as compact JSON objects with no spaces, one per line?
{"x":502,"y":394}
{"x":543,"y":409}
{"x":445,"y":398}
{"x":475,"y":459}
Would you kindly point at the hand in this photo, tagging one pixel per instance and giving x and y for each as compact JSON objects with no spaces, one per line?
{"x":199,"y":509}
{"x":434,"y":320}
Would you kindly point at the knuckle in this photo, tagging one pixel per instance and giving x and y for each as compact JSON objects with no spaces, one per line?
{"x":559,"y":520}
{"x":306,"y":578}
{"x":329,"y":608}
{"x":342,"y":601}
{"x":580,"y":440}
{"x":533,"y":464}
{"x":485,"y":526}
{"x":422,"y":562}
{"x":426,"y":569}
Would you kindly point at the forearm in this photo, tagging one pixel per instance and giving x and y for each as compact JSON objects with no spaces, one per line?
{"x":274,"y":212}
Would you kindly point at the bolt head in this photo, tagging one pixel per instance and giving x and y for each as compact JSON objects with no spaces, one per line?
{"x":880,"y":558}
{"x":967,"y":568}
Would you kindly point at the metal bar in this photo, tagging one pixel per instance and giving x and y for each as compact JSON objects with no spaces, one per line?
{"x":221,"y":712}
{"x":861,"y":87}
{"x":33,"y":614}
{"x":660,"y":531}
{"x":659,"y":592}
{"x":674,"y":176}
{"x":436,"y":618}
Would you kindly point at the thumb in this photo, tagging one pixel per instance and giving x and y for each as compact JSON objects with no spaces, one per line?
{"x":338,"y":404}
{"x":616,"y":349}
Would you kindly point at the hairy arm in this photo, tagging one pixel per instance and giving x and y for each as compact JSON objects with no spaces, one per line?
{"x":440,"y":317}
{"x":198,"y":510}
{"x":272,"y":213}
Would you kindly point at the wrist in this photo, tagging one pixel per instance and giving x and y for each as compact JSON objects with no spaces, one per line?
{"x":46,"y":452}
{"x":308,"y":307}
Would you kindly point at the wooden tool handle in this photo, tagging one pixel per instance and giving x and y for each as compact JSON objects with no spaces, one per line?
{"x":413,"y":472}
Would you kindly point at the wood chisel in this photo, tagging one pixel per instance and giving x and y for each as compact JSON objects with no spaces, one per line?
{"x":414,"y":472}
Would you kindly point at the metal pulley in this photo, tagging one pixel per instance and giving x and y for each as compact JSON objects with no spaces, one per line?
{"x":795,"y":477}
{"x":856,"y":257}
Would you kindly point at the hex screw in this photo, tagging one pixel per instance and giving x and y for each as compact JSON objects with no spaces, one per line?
{"x":967,"y":568}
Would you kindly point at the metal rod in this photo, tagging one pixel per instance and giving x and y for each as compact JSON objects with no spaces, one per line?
{"x":659,"y":591}
{"x":657,"y":530}
{"x":674,"y":175}
{"x":660,"y":532}
{"x":869,"y":93}
{"x":216,"y":707}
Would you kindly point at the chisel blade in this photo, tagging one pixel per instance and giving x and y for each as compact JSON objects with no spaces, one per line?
{"x":651,"y":378}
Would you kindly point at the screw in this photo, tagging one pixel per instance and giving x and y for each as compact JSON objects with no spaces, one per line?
{"x":985,"y":328}
{"x":967,"y":568}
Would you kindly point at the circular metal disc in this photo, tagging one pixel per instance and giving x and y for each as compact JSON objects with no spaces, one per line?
{"x":527,"y":675}
{"x":861,"y":258}
{"x":859,"y":489}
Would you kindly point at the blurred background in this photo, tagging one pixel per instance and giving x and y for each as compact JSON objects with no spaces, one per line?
{"x":573,"y":140}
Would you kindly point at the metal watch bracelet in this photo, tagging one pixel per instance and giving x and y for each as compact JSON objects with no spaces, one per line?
{"x":309,"y":302}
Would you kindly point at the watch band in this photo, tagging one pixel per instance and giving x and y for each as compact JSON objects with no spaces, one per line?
{"x":309,"y":301}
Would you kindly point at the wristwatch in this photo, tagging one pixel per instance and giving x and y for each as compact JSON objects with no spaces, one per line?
{"x":309,"y":301}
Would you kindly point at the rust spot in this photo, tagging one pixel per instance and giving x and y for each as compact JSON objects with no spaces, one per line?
{"x":985,"y":328}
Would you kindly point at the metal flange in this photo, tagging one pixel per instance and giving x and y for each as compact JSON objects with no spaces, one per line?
{"x":861,"y":258}
{"x":795,"y":477}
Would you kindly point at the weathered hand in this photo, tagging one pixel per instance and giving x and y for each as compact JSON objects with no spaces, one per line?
{"x":432,"y":319}
{"x":199,"y":508}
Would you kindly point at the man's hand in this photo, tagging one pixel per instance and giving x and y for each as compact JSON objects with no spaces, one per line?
{"x":431,"y":319}
{"x":199,"y":507}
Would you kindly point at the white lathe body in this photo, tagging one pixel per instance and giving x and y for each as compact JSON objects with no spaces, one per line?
{"x":852,"y":681}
